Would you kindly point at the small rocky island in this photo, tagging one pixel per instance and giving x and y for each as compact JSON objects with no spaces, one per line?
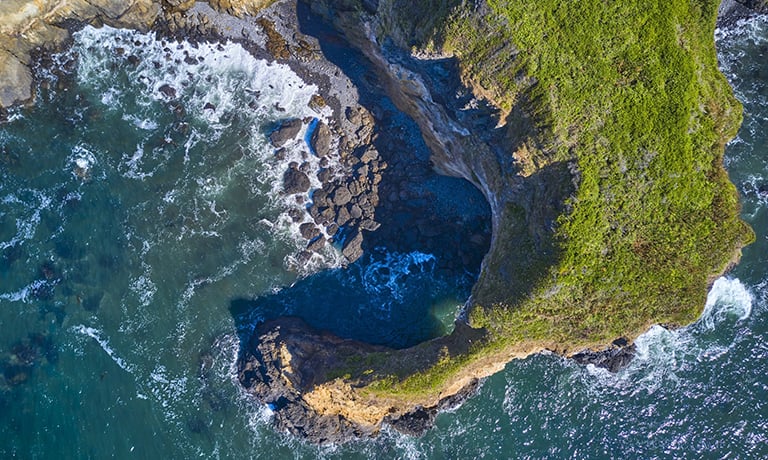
{"x":596,"y":135}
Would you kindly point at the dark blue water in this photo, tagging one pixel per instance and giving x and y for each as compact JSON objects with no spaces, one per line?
{"x":130,"y":233}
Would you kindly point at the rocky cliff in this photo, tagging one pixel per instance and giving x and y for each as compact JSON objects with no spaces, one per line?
{"x":590,"y":212}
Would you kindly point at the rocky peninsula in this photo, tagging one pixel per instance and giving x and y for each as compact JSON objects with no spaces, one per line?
{"x":597,"y":143}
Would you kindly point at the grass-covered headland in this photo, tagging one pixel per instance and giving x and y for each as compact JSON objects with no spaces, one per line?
{"x":630,"y":115}
{"x":615,"y":117}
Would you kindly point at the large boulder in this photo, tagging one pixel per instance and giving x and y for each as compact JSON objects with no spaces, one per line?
{"x":295,"y":181}
{"x":287,"y":131}
{"x":353,"y":247}
{"x":321,"y":140}
{"x":342,"y":196}
{"x":16,"y":80}
{"x":309,"y":231}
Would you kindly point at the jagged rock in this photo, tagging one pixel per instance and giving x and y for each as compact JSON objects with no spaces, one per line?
{"x":362,"y":171}
{"x":296,"y":215}
{"x":167,"y":91}
{"x":262,"y":373}
{"x":321,"y":140}
{"x":309,"y":231}
{"x":317,"y":244}
{"x":286,"y":132}
{"x":16,"y":80}
{"x":325,"y":176}
{"x":303,"y":257}
{"x":369,"y":155}
{"x":320,"y":198}
{"x":355,"y":188}
{"x":332,"y":230}
{"x":295,"y":181}
{"x":370,"y":225}
{"x":613,"y":358}
{"x":353,"y":247}
{"x":420,"y":419}
{"x":342,"y":196}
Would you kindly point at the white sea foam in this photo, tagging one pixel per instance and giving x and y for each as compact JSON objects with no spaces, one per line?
{"x":96,"y":335}
{"x":24,"y":294}
{"x":29,"y":209}
{"x":217,"y":84}
{"x":390,"y":275}
{"x":81,"y":161}
{"x":662,"y":354}
{"x":727,"y":298}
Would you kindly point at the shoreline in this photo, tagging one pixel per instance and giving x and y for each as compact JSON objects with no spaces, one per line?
{"x":336,"y":84}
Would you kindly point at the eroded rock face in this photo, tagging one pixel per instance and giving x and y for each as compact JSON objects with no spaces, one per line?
{"x":26,"y":26}
{"x":284,"y":366}
{"x":283,"y":362}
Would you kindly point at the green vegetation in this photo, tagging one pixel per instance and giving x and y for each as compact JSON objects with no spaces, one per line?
{"x":630,"y":94}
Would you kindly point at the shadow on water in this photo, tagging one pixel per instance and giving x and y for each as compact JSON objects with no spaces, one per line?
{"x":420,"y":265}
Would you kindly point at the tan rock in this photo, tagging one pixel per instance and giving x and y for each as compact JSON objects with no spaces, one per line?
{"x":240,"y":7}
{"x":26,"y":25}
{"x":16,"y":80}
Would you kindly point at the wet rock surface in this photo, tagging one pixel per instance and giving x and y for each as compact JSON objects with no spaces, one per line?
{"x":614,"y":358}
{"x":287,"y":131}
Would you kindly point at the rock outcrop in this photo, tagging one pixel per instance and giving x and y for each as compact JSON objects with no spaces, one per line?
{"x":26,"y":26}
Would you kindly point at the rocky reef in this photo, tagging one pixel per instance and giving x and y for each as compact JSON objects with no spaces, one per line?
{"x":600,"y":161}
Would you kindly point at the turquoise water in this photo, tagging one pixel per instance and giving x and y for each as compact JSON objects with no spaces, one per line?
{"x":133,"y":227}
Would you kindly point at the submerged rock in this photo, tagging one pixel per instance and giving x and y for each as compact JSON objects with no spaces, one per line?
{"x":353,"y":247}
{"x":168,"y":91}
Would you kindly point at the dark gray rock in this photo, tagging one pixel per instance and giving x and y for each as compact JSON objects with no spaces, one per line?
{"x":286,"y":132}
{"x":325,"y":176}
{"x":168,"y":91}
{"x":353,"y":247}
{"x":295,"y":181}
{"x":320,"y":198}
{"x":296,"y":214}
{"x":309,"y":231}
{"x":317,"y":244}
{"x":321,"y":140}
{"x":613,"y":358}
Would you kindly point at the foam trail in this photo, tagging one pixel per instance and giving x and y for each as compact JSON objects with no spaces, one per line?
{"x":104,"y":344}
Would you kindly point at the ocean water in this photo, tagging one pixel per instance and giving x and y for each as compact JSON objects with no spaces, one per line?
{"x":137,"y":229}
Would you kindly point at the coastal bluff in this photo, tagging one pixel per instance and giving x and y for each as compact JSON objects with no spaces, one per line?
{"x":598,"y":148}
